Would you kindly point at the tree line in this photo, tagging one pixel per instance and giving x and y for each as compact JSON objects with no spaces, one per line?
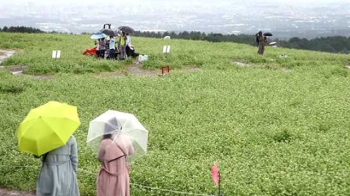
{"x":334,"y":44}
{"x":21,"y":29}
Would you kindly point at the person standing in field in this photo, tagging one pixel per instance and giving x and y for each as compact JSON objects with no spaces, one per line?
{"x":112,"y":47}
{"x":102,"y":47}
{"x":122,"y":44}
{"x":58,"y":175}
{"x":97,"y":48}
{"x":114,"y":179}
{"x":128,"y":48}
{"x":261,"y":43}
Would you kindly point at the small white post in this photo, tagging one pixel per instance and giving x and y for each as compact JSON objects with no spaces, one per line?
{"x":56,"y":54}
{"x":166,"y":49}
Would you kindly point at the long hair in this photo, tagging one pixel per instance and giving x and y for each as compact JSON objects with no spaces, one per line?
{"x":107,"y":136}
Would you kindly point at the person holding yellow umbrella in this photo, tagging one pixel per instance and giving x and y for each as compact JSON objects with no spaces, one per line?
{"x":47,"y":132}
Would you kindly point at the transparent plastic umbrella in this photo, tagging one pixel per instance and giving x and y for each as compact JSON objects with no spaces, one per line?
{"x":126,"y":129}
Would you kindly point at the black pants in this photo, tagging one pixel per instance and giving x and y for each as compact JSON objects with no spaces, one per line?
{"x":112,"y":53}
{"x":130,"y":53}
{"x":102,"y":53}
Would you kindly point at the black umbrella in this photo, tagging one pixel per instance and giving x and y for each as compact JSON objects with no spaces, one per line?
{"x":126,"y":29}
{"x":108,"y":32}
{"x":267,"y":34}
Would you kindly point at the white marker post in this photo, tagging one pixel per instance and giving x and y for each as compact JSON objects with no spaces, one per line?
{"x":166,"y":49}
{"x":56,"y":54}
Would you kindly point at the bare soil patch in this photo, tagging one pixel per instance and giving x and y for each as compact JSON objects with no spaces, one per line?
{"x":241,"y":63}
{"x":40,"y":77}
{"x":4,"y":54}
{"x":193,"y":68}
{"x":286,"y":70}
{"x":17,"y":68}
{"x":137,"y":70}
{"x":9,"y":192}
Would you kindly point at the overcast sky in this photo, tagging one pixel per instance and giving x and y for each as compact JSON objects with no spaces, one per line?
{"x":295,"y":2}
{"x":238,"y":16}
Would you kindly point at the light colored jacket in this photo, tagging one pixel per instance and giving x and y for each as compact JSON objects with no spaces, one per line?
{"x":58,"y":175}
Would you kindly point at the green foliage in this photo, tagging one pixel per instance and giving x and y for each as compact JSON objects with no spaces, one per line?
{"x":283,"y":136}
{"x":278,"y":126}
{"x":10,"y":85}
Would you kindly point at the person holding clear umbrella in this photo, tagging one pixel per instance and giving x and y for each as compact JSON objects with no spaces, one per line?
{"x":118,"y":138}
{"x":113,"y":179}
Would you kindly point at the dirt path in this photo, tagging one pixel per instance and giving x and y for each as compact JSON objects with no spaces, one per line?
{"x":4,"y":54}
{"x":137,"y":70}
{"x":9,"y":192}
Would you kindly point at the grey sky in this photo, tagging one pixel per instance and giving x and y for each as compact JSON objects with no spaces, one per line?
{"x":281,"y":2}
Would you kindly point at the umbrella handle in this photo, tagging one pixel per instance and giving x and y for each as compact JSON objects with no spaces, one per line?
{"x":109,"y":26}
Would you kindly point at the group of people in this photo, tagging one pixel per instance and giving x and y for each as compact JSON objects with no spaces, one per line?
{"x":118,"y":47}
{"x":58,"y":175}
{"x":262,"y":41}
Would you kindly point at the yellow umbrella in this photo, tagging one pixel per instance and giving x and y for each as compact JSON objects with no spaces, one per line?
{"x":47,"y":127}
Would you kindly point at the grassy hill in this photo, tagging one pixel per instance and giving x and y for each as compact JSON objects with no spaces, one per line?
{"x":278,"y":123}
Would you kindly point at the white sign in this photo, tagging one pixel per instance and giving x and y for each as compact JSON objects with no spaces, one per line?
{"x":166,"y":49}
{"x":143,"y":58}
{"x":56,"y":54}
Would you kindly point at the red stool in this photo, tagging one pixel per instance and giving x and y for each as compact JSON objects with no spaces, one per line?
{"x":165,"y":70}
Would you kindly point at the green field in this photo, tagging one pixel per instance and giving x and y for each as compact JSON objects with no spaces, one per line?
{"x":278,"y":126}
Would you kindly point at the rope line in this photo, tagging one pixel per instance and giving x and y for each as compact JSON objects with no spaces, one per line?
{"x":133,"y":184}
